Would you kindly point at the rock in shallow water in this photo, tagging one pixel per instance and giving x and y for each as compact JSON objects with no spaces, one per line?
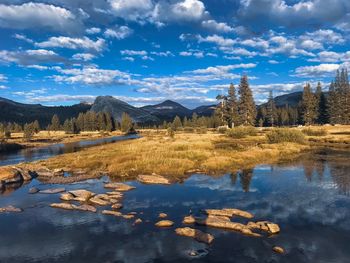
{"x":67,"y":206}
{"x":189,"y":220}
{"x":278,"y":250}
{"x":229,"y":212}
{"x":119,"y":187}
{"x":81,"y":195}
{"x":52,"y":191}
{"x":153,"y":179}
{"x":33,"y":190}
{"x":10,"y":209}
{"x":162,"y":215}
{"x":196,"y":234}
{"x":164,"y":223}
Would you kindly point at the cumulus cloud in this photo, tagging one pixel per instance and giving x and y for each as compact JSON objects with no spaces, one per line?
{"x":39,"y":15}
{"x":216,"y":39}
{"x":217,"y":70}
{"x":23,"y":37}
{"x":317,"y":13}
{"x":3,"y":78}
{"x":135,"y":10}
{"x":321,"y":70}
{"x":93,"y":30}
{"x":217,"y":26}
{"x":73,"y":43}
{"x":118,"y":33}
{"x":83,"y":56}
{"x":30,"y":57}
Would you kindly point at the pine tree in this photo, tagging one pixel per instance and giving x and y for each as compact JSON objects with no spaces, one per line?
{"x":232,"y":106}
{"x":308,"y":106}
{"x":321,"y":106}
{"x":28,"y":131}
{"x":246,"y":105}
{"x":55,"y":123}
{"x":271,"y":110}
{"x":36,"y":126}
{"x":177,"y":124}
{"x":221,"y":109}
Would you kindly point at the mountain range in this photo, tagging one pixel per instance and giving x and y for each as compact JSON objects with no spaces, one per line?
{"x":12,"y":111}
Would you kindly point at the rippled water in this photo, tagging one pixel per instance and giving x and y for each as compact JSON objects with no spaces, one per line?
{"x":308,"y":198}
{"x":40,"y":153}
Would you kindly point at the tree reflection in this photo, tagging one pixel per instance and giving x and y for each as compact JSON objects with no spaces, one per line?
{"x":245,"y":177}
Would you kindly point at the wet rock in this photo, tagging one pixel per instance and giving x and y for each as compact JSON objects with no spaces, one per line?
{"x":52,"y":191}
{"x":189,"y":220}
{"x":58,"y":172}
{"x":196,"y":234}
{"x":193,"y":253}
{"x":138,"y":221}
{"x":119,"y":187}
{"x":27,"y":175}
{"x":229,"y":212}
{"x":117,"y":206}
{"x":219,"y":222}
{"x":10,"y":209}
{"x":98,"y":201}
{"x":278,"y":250}
{"x":112,"y":213}
{"x":162,"y":215}
{"x":128,"y":216}
{"x":81,"y":195}
{"x":33,"y":190}
{"x":67,"y":197}
{"x":44,"y":172}
{"x":266,"y":226}
{"x":153,"y":179}
{"x":164,"y":223}
{"x":68,"y":206}
{"x":9,"y":175}
{"x":273,"y":228}
{"x":115,"y":194}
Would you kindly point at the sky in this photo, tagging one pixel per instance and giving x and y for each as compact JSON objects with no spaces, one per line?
{"x":61,"y":52}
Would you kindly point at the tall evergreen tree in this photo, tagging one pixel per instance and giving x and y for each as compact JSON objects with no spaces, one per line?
{"x":126,"y":124}
{"x":246,"y":105}
{"x":177,"y":124}
{"x":271,"y":113}
{"x":221,"y":110}
{"x":321,"y":106}
{"x":308,"y":106}
{"x":55,"y":123}
{"x":232,"y":106}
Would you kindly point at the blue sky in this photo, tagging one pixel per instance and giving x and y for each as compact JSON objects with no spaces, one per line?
{"x":61,"y":52}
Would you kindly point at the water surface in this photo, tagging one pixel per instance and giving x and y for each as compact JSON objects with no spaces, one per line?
{"x":308,"y":198}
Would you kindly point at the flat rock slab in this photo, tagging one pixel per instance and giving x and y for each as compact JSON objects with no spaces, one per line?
{"x":98,"y":201}
{"x":266,"y":226}
{"x":111,"y":213}
{"x":9,"y":175}
{"x":164,"y":223}
{"x":196,"y":234}
{"x":162,"y":215}
{"x":52,"y":191}
{"x":278,"y":250}
{"x":10,"y":209}
{"x":153,"y":179}
{"x":120,"y":187}
{"x":229,"y":212}
{"x":189,"y":220}
{"x":67,"y":206}
{"x":81,"y":195}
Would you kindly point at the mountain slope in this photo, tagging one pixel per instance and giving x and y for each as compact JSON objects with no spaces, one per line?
{"x":11,"y":111}
{"x":167,"y":110}
{"x":116,"y":108}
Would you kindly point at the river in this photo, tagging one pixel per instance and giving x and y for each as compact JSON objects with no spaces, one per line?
{"x":309,"y":198}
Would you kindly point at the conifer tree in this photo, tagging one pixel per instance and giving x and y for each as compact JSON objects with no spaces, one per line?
{"x":177,"y":124}
{"x":321,"y":106}
{"x":55,"y":123}
{"x":126,"y":124}
{"x":308,"y":106}
{"x":271,"y":110}
{"x":232,"y":106}
{"x":246,"y":105}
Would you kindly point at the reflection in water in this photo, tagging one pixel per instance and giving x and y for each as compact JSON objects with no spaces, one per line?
{"x":39,"y":153}
{"x":306,"y":198}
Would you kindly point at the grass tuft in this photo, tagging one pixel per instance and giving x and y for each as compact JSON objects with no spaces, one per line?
{"x":285,"y":135}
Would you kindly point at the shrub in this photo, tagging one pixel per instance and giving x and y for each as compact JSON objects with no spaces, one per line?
{"x":241,"y":132}
{"x":285,"y":135}
{"x":189,"y":129}
{"x":202,"y":130}
{"x":171,"y":132}
{"x":222,"y":129}
{"x":315,"y":132}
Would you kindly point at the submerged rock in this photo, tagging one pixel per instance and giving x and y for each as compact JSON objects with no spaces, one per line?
{"x":153,"y":179}
{"x":98,"y":201}
{"x":52,"y":191}
{"x":112,"y":213}
{"x":115,"y":194}
{"x":119,"y":187}
{"x":138,"y":221}
{"x":189,"y":220}
{"x":67,"y":197}
{"x":164,"y":223}
{"x":266,"y":226}
{"x":162,"y":215}
{"x":273,"y":228}
{"x":33,"y":190}
{"x":10,"y":209}
{"x":196,"y":234}
{"x":278,"y":250}
{"x":68,"y":206}
{"x":229,"y":212}
{"x":128,"y":216}
{"x":117,"y":206}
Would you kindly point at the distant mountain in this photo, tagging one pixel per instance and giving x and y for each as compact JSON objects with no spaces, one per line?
{"x":11,"y":111}
{"x":167,"y":110}
{"x":206,"y":110}
{"x":291,"y":99}
{"x":116,"y":108}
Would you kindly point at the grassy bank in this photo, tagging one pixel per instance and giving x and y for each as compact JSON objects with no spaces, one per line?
{"x":210,"y":153}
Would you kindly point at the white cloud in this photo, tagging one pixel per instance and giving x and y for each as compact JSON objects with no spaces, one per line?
{"x":217,"y":70}
{"x":162,"y":53}
{"x":128,"y":52}
{"x":3,"y":87}
{"x":217,"y":26}
{"x":326,"y":36}
{"x":118,"y":33}
{"x":93,"y":30}
{"x":218,"y":40}
{"x":30,"y":57}
{"x":197,"y":54}
{"x":38,"y":15}
{"x":3,"y":78}
{"x":73,"y":43}
{"x":321,"y":70}
{"x":188,"y":10}
{"x":134,"y":10}
{"x":92,"y":76}
{"x":311,"y":44}
{"x":84,"y":56}
{"x":23,"y":37}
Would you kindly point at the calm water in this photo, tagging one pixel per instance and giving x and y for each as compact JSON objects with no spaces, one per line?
{"x":309,"y":199}
{"x":39,"y":153}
